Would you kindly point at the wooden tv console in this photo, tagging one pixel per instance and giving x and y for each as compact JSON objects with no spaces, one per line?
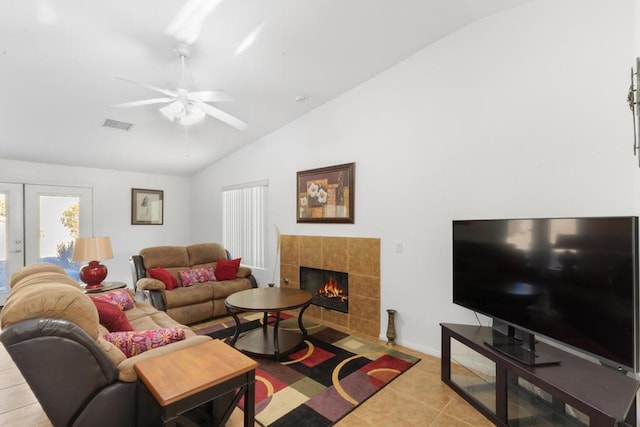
{"x":575,"y":392}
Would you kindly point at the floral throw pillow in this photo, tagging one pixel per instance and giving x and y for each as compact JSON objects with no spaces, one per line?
{"x":132,"y":343}
{"x":120,"y":297}
{"x":197,"y":275}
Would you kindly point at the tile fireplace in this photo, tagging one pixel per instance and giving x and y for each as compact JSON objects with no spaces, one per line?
{"x":358,"y":257}
{"x":329,"y":289}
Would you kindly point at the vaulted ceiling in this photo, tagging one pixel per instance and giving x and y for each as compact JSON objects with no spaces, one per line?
{"x":62,"y":63}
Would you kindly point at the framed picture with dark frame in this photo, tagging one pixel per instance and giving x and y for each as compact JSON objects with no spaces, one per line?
{"x":146,"y":207}
{"x":326,"y":194}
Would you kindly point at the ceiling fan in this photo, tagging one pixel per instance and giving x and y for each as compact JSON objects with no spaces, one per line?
{"x":184,"y":106}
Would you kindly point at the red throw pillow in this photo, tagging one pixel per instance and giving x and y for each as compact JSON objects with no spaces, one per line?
{"x":227,"y":269}
{"x":111,"y":317}
{"x":164,"y":276}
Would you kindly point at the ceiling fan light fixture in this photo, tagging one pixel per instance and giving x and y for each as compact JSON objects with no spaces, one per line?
{"x":193,"y":116}
{"x":173,"y":111}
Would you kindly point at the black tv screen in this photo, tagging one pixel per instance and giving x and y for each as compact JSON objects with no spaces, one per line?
{"x":573,"y":280}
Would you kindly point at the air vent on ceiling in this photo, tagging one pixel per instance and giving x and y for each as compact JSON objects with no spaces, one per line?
{"x":117,"y":124}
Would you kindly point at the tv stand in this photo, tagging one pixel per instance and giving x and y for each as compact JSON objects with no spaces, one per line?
{"x":522,"y":349}
{"x":572,"y":392}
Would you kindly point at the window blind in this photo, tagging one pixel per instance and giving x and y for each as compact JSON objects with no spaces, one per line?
{"x":243,"y":222}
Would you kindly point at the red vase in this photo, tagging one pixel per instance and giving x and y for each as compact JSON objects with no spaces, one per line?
{"x":93,"y":274}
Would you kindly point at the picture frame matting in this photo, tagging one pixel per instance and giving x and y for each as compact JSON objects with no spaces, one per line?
{"x":147,"y":207}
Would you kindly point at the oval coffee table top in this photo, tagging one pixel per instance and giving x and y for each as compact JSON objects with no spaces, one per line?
{"x":268,"y":299}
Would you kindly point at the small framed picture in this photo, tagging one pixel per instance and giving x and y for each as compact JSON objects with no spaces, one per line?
{"x":146,"y":207}
{"x":326,"y":194}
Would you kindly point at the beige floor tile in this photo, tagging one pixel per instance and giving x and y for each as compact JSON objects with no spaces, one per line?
{"x":429,"y":364}
{"x":353,"y":420}
{"x":391,"y":408}
{"x":29,"y":415}
{"x":444,"y":420}
{"x":459,"y":408}
{"x":432,"y":392}
{"x":21,"y":395}
{"x":10,"y":377}
{"x":5,"y":360}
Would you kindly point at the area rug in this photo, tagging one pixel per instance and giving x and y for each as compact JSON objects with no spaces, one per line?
{"x":225,"y":327}
{"x":327,"y":378}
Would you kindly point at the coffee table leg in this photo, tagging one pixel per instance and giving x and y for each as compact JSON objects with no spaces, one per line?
{"x":300,"y":324}
{"x":237,"y":320}
{"x":276,"y":343}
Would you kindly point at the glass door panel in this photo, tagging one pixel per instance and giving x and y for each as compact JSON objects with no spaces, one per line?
{"x":11,"y":235}
{"x":59,"y":226}
{"x":55,"y":216}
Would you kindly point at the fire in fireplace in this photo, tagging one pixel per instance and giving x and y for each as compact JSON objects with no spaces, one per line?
{"x":329,"y":289}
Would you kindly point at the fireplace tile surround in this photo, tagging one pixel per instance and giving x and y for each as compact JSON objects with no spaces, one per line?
{"x":357,"y":256}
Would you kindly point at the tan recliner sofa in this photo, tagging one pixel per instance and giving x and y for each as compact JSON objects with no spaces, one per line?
{"x":51,"y":330}
{"x":191,"y":304}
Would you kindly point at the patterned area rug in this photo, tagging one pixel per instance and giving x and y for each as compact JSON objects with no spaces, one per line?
{"x":226,"y":327}
{"x":328,"y":377}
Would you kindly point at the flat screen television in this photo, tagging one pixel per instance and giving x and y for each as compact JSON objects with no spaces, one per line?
{"x":573,"y":280}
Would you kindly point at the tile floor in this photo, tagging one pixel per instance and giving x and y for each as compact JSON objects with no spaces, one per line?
{"x":416,"y":398}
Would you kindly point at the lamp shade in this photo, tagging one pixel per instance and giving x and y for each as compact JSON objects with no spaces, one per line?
{"x":92,"y":249}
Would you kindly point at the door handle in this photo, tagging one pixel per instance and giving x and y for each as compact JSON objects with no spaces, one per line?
{"x":17,"y":251}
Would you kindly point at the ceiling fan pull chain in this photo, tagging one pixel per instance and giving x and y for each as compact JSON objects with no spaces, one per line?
{"x":183,"y":73}
{"x":186,"y":141}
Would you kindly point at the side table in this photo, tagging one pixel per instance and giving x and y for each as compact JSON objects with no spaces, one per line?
{"x":188,"y":378}
{"x":106,"y":286}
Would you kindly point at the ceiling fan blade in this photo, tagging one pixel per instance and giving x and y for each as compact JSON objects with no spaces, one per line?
{"x":212,"y":96}
{"x":143,"y":102}
{"x":221,"y":115}
{"x":150,"y":87}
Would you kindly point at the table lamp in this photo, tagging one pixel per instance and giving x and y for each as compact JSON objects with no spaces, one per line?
{"x":92,"y":249}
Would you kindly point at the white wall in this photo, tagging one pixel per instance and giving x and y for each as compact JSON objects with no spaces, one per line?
{"x":522,"y":114}
{"x":112,"y":206}
{"x":633,"y":57}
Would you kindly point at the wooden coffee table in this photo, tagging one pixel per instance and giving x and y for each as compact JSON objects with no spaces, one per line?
{"x":268,"y":341}
{"x":188,"y":378}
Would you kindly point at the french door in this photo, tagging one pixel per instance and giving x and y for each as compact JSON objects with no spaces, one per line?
{"x":40,"y":224}
{"x":11,"y":234}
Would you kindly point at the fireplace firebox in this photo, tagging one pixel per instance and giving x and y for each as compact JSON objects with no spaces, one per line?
{"x":329,"y":289}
